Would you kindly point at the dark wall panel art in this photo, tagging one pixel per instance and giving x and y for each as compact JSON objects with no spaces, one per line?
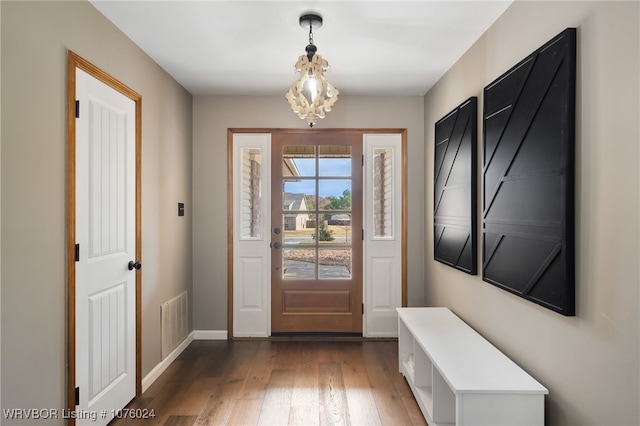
{"x":528,"y":177}
{"x":455,"y":188}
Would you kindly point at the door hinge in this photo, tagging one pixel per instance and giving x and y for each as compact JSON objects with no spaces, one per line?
{"x":363,"y":159}
{"x":363,"y":309}
{"x":363,"y":235}
{"x":77,"y":252}
{"x":77,"y":109}
{"x":77,"y":395}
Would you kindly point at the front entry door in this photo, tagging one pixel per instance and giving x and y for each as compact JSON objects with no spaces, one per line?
{"x":316,"y":233}
{"x":105,"y":287}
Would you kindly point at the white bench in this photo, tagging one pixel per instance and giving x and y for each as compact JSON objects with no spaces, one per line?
{"x":459,"y":378}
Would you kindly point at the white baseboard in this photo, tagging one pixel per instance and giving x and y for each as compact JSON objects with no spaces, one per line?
{"x":383,"y":334}
{"x":159,"y":369}
{"x":209,"y":335}
{"x":251,"y":334}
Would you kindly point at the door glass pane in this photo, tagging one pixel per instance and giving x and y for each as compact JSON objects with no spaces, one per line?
{"x":335,"y":161}
{"x":335,"y":194}
{"x":334,"y":263}
{"x":304,"y":191}
{"x":299,"y":160}
{"x":298,"y":229}
{"x":335,"y":229}
{"x":299,"y":263}
{"x":250,"y":194}
{"x":382,"y":193}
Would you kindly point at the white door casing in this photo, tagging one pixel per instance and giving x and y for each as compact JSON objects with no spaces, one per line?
{"x":382,"y":252}
{"x":105,"y":304}
{"x":251,"y":234}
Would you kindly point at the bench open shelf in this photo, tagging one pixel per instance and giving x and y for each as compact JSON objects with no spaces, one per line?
{"x":459,"y":378}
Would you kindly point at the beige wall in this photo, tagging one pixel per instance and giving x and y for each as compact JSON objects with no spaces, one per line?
{"x":212,"y":117}
{"x":35,"y":36}
{"x":589,"y":362}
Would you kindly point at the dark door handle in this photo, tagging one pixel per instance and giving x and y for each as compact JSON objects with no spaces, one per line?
{"x":134,"y":265}
{"x":276,"y":245}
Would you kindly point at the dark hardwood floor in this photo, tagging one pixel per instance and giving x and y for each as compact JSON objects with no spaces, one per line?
{"x":281,"y":383}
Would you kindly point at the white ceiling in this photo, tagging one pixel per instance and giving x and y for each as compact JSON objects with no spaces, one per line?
{"x":375,"y":48}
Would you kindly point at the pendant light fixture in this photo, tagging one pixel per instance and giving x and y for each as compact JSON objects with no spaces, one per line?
{"x":311,"y":96}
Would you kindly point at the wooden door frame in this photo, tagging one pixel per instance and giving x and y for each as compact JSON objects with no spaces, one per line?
{"x":75,"y":61}
{"x":362,"y":131}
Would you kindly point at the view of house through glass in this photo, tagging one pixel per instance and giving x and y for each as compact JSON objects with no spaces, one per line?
{"x":317,"y":212}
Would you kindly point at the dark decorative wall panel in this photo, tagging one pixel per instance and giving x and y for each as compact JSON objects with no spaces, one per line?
{"x":455,"y":188}
{"x":528,"y":177}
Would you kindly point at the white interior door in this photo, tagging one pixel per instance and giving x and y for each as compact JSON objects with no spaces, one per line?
{"x":105,"y":234}
{"x":382,"y":233}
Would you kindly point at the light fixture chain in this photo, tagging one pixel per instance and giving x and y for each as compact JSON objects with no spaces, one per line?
{"x":310,"y":33}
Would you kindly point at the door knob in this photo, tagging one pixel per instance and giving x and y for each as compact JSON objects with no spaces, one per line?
{"x":276,"y":245}
{"x":134,"y":265}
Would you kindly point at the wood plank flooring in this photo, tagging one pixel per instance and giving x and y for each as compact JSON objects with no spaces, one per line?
{"x":281,"y":383}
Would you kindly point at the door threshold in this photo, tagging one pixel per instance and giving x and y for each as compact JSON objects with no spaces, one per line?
{"x":323,"y":337}
{"x":314,"y":334}
{"x":319,"y":337}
